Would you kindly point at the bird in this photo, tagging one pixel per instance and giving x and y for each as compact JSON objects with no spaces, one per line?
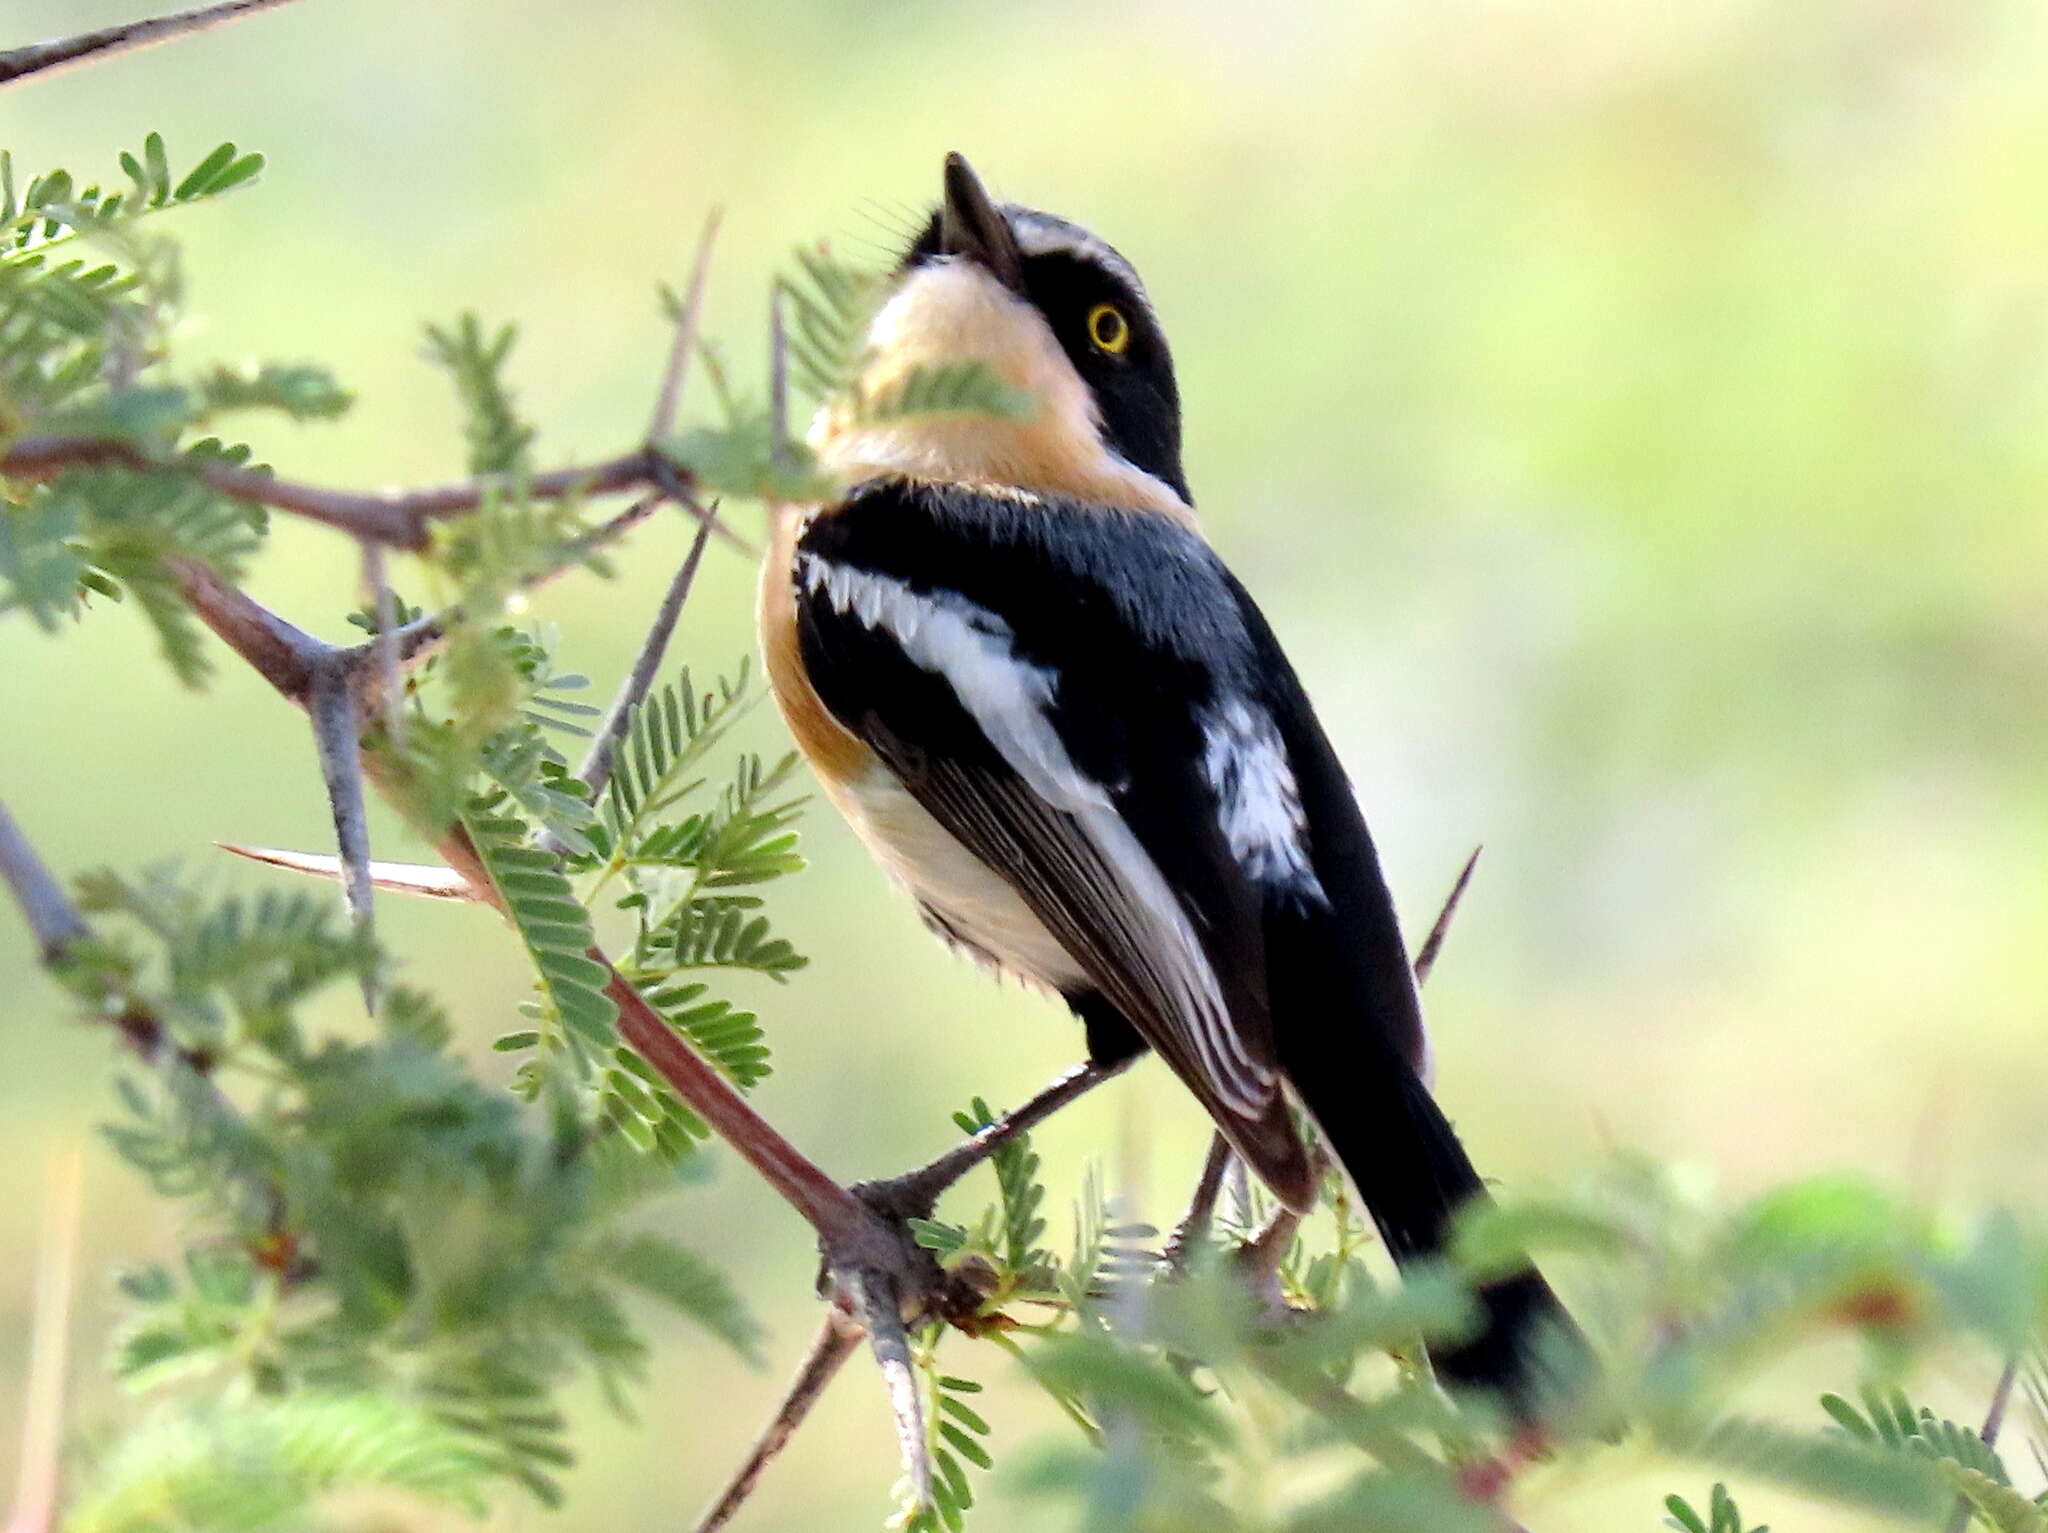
{"x":1031,"y":686}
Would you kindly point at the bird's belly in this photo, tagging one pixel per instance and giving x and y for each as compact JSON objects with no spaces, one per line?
{"x":963,"y":900}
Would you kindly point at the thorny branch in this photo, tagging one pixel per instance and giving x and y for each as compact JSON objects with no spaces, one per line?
{"x":866,"y":1255}
{"x":397,"y":518}
{"x":43,"y":58}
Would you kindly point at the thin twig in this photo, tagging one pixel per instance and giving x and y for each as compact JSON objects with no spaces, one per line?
{"x":1425,"y":957}
{"x":44,"y":904}
{"x":42,"y":58}
{"x":596,"y":767}
{"x":668,"y":400}
{"x":396,"y":517}
{"x":837,"y":1339}
{"x":916,"y":1191}
{"x":424,"y":879}
{"x":413,"y":643}
{"x":1994,"y":1423}
{"x":42,"y":1428}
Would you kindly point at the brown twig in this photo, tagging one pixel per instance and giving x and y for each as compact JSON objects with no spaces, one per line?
{"x":398,"y":518}
{"x":839,"y":1336}
{"x":43,"y":58}
{"x":915,"y":1192}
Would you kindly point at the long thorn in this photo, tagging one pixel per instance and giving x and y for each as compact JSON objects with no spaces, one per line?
{"x":669,"y":399}
{"x":337,"y":737}
{"x":1425,"y":958}
{"x":596,"y":767}
{"x":44,"y":904}
{"x":425,"y":879}
{"x":837,"y":1339}
{"x":875,"y":1302}
{"x":41,"y":58}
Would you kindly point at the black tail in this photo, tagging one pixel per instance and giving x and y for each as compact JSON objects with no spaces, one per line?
{"x":1398,"y":1148}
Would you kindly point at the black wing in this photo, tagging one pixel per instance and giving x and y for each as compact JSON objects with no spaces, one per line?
{"x":1086,"y":701}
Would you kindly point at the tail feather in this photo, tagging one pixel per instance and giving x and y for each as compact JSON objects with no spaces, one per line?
{"x":1414,"y":1176}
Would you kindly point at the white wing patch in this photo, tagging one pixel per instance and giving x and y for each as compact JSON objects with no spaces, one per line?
{"x":1257,"y":798}
{"x":974,"y":650}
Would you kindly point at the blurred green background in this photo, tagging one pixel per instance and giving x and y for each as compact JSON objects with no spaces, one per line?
{"x":1630,"y":417}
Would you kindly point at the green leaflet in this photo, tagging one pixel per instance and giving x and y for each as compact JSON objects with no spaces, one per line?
{"x":579,"y":1019}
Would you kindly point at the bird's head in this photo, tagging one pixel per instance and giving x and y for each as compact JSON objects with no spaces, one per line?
{"x":1055,"y":313}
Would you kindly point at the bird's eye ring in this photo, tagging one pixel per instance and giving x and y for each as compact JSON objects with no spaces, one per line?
{"x":1108,"y":328}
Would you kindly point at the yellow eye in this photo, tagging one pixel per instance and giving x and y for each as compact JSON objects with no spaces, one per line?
{"x":1108,"y":328}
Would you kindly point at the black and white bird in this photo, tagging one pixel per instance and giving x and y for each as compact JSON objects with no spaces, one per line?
{"x":1060,"y":723}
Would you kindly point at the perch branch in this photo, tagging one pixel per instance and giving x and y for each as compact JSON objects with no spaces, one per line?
{"x":43,"y":58}
{"x":398,"y":518}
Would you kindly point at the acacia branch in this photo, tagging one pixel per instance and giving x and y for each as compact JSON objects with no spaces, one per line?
{"x":397,"y":518}
{"x":43,"y":58}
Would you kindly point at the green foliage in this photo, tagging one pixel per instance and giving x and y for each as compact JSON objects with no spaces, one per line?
{"x":577,"y":1019}
{"x":253,"y":1466}
{"x":378,"y":1230}
{"x":498,"y":439}
{"x":1722,"y":1514}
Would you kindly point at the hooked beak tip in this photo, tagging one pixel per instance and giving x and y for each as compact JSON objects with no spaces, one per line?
{"x":971,"y":225}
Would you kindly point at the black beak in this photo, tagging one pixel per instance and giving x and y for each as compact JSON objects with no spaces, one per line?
{"x":970,"y":226}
